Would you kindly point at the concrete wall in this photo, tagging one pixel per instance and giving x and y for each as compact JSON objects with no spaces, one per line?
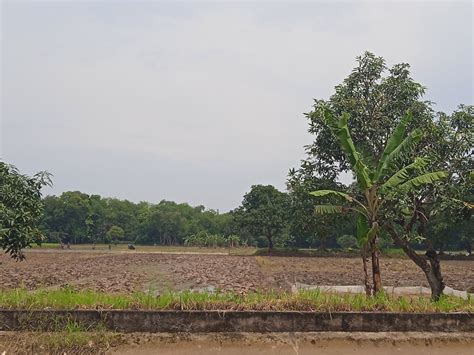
{"x":216,"y":321}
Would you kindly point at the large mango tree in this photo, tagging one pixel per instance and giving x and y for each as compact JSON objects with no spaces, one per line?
{"x":377,"y":183}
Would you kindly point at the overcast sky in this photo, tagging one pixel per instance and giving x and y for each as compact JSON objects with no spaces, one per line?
{"x":195,"y":102}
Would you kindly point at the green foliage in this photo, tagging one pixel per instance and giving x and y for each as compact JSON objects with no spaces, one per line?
{"x":264,"y":212}
{"x":404,"y":174}
{"x":21,"y":208}
{"x":362,"y":228}
{"x":307,"y":228}
{"x":115,"y":234}
{"x":412,"y":177}
{"x":310,"y":300}
{"x":340,"y":130}
{"x":400,"y":183}
{"x":347,"y":241}
{"x":203,"y":239}
{"x":425,"y":179}
{"x":320,"y":193}
{"x":328,"y":209}
{"x":80,"y":218}
{"x":376,"y":99}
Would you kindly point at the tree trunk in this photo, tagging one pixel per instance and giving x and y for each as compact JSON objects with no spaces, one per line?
{"x":377,"y":278}
{"x":434,"y":276}
{"x":432,"y":269}
{"x":368,"y":288}
{"x":270,"y":243}
{"x":469,"y":247}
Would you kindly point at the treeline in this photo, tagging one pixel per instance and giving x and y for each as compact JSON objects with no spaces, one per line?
{"x":266,"y":217}
{"x":77,"y":217}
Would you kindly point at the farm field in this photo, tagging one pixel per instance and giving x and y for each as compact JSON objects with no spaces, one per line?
{"x":129,"y":272}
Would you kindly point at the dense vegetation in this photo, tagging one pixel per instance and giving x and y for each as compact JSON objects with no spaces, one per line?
{"x":20,"y":209}
{"x":410,"y":165}
{"x":77,"y":217}
{"x":304,"y":300}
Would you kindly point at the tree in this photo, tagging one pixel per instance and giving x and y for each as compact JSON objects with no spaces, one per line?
{"x":378,"y":183}
{"x":308,"y":228}
{"x":264,"y":212}
{"x":375,"y":98}
{"x":429,"y":211}
{"x":20,"y":209}
{"x":115,"y":234}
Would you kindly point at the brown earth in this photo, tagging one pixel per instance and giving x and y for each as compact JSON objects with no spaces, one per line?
{"x":129,"y":272}
{"x":334,"y":343}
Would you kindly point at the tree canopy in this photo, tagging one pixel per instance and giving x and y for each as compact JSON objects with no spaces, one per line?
{"x":21,"y":208}
{"x":264,"y":212}
{"x":373,"y":101}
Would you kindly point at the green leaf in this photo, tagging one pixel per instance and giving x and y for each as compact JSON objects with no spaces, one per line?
{"x":424,"y":179}
{"x":465,"y":203}
{"x":320,"y":193}
{"x":340,"y":129}
{"x":373,"y":231}
{"x":403,"y":174}
{"x":328,"y":209}
{"x":362,"y":229}
{"x":413,"y":138}
{"x":394,"y":141}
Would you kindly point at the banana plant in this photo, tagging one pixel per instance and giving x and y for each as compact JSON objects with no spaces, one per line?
{"x":376,"y":184}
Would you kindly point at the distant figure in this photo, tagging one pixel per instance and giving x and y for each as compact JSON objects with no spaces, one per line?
{"x":93,"y":246}
{"x":110,"y":247}
{"x":131,"y":247}
{"x":62,"y":245}
{"x":68,"y":245}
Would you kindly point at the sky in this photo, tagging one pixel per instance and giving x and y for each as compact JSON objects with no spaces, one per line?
{"x":197,"y":101}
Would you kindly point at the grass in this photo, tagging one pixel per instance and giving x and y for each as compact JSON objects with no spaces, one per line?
{"x":68,"y":298}
{"x":62,"y":342}
{"x":152,"y":248}
{"x":46,"y":246}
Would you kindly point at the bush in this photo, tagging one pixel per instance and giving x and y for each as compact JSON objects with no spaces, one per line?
{"x":347,"y":241}
{"x":202,"y":239}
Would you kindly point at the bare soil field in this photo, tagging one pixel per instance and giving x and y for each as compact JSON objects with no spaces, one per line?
{"x":127,"y":272}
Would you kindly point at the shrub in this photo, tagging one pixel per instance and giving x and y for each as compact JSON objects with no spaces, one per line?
{"x":347,"y":241}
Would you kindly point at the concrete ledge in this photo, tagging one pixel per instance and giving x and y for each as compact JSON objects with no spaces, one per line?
{"x":230,"y":321}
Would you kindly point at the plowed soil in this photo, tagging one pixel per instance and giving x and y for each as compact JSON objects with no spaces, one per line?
{"x":127,"y":272}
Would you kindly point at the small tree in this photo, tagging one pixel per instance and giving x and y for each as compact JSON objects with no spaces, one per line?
{"x":233,"y":241}
{"x":115,"y":233}
{"x":21,"y":208}
{"x":377,"y":183}
{"x":264,"y":212}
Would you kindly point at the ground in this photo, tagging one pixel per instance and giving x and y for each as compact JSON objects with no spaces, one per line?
{"x":119,"y":271}
{"x":332,"y":343}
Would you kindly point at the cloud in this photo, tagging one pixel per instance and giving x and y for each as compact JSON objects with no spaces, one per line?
{"x":196,"y":102}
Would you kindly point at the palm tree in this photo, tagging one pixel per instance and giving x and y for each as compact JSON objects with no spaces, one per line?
{"x":377,"y":184}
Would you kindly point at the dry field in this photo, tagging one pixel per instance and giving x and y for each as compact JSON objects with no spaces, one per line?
{"x":127,"y":272}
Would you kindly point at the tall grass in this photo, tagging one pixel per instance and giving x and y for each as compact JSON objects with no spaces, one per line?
{"x":69,"y":298}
